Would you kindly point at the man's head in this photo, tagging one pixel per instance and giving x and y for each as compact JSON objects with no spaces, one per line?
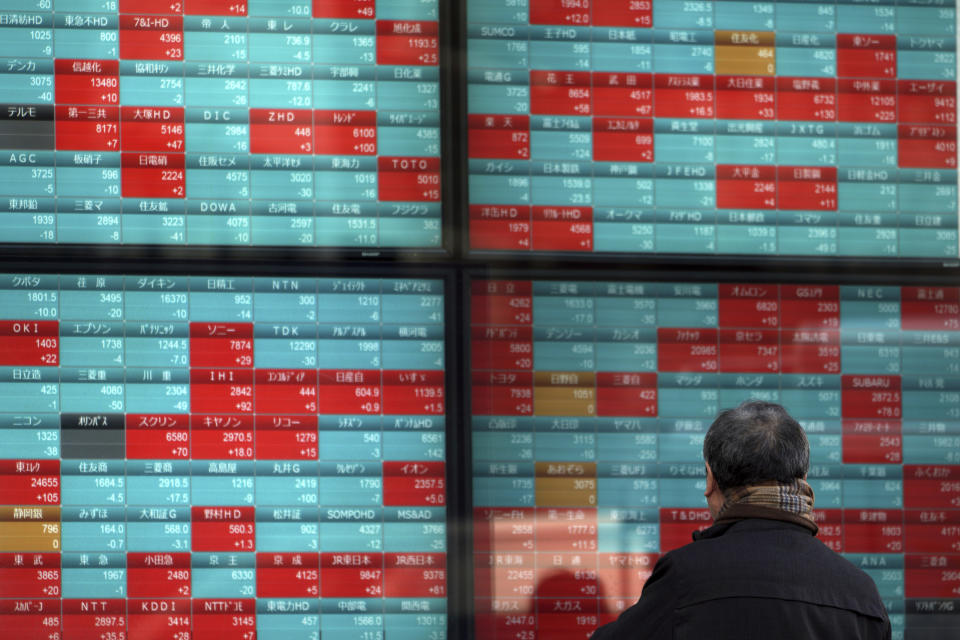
{"x":754,"y":443}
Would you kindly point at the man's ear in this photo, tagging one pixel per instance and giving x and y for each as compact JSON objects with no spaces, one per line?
{"x":711,"y":482}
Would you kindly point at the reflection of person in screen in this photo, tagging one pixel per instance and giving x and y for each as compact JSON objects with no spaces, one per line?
{"x":759,"y":571}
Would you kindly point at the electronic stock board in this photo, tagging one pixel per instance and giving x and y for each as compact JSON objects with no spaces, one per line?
{"x":590,"y":401}
{"x":222,"y":457}
{"x":788,"y":128}
{"x":220,"y":122}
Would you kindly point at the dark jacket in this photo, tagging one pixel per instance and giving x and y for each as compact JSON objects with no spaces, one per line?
{"x":754,"y":578}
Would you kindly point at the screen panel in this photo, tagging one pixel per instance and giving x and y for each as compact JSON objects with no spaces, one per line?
{"x":222,"y":456}
{"x":792,"y":128}
{"x":590,"y":401}
{"x":220,"y":123}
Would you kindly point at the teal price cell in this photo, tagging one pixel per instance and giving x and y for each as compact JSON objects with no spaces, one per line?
{"x":153,"y":90}
{"x":223,"y":575}
{"x":407,"y":537}
{"x":360,"y":491}
{"x":886,"y":570}
{"x":289,"y":41}
{"x":28,"y":397}
{"x":877,"y":147}
{"x":408,"y":10}
{"x":287,"y":537}
{"x":491,"y":12}
{"x":94,"y":575}
{"x":398,"y":90}
{"x":876,"y":17}
{"x":622,"y":50}
{"x":35,"y":42}
{"x":227,"y":88}
{"x":498,"y":47}
{"x":500,"y":91}
{"x":91,"y":351}
{"x":98,"y":41}
{"x":628,"y":537}
{"x":692,"y":188}
{"x":627,"y":492}
{"x":295,"y":92}
{"x":350,"y":534}
{"x":279,"y":8}
{"x":556,"y":190}
{"x":687,"y":402}
{"x":503,"y":492}
{"x":344,"y":42}
{"x":222,"y":40}
{"x":101,"y":530}
{"x":399,"y":445}
{"x":807,"y":232}
{"x":222,"y":483}
{"x":156,"y":489}
{"x":157,"y":396}
{"x":552,"y":48}
{"x":283,"y":300}
{"x":347,"y":231}
{"x":205,"y":130}
{"x":295,"y":353}
{"x":622,"y":194}
{"x":688,"y":306}
{"x":571,"y":144}
{"x":411,"y":233}
{"x":747,"y":232}
{"x":682,"y":492}
{"x":684,"y":141}
{"x":694,"y":15}
{"x":921,"y":18}
{"x":408,"y":626}
{"x":628,"y":311}
{"x":803,"y":15}
{"x":346,"y":353}
{"x":163,"y":529}
{"x":509,"y":447}
{"x":93,"y":482}
{"x":274,"y":625}
{"x":411,"y":141}
{"x":626,"y":356}
{"x":564,"y":356}
{"x":351,"y":301}
{"x":760,"y":16}
{"x":825,"y":448}
{"x":344,"y":93}
{"x":827,"y":485}
{"x":683,"y":51}
{"x":939,"y":357}
{"x":217,"y":229}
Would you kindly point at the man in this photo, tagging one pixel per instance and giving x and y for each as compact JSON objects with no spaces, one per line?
{"x":758,"y":572}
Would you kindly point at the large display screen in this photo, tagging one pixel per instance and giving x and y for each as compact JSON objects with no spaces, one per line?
{"x":220,"y":122}
{"x":222,"y":457}
{"x":794,"y":127}
{"x":590,"y":401}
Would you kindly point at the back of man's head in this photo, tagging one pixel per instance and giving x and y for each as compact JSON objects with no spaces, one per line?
{"x":754,"y":443}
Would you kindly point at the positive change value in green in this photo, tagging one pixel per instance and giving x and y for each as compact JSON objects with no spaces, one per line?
{"x":797,"y":127}
{"x":220,"y":122}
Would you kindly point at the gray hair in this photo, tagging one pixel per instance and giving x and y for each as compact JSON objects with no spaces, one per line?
{"x":754,"y":443}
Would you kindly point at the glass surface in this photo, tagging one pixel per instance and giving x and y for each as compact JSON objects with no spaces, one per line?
{"x":199,"y":457}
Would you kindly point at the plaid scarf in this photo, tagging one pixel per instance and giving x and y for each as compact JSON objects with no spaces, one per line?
{"x":792,"y":502}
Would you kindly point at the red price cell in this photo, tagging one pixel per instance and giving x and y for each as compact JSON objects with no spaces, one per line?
{"x":873,"y":530}
{"x":344,"y":391}
{"x":749,"y":350}
{"x":153,"y":175}
{"x":281,"y":131}
{"x":624,"y":574}
{"x":622,"y":94}
{"x":158,"y":575}
{"x":501,"y":302}
{"x":866,"y":56}
{"x":931,"y":576}
{"x":414,"y":483}
{"x":213,"y":7}
{"x":288,"y":575}
{"x":414,"y":575}
{"x":749,"y":305}
{"x":223,"y":529}
{"x":683,"y":96}
{"x":623,"y":139}
{"x":566,"y":12}
{"x":152,"y":129}
{"x":30,"y":575}
{"x":924,"y":146}
{"x":871,"y":396}
{"x":562,"y":228}
{"x":503,"y":530}
{"x":408,"y":42}
{"x":286,"y":391}
{"x":285,"y":437}
{"x":746,"y":187}
{"x":930,"y":309}
{"x":339,"y":9}
{"x":867,"y":100}
{"x":30,"y":482}
{"x":499,"y":227}
{"x":578,"y":618}
{"x":678,"y":525}
{"x":626,"y":394}
{"x":170,"y":8}
{"x":499,"y":575}
{"x":222,"y":437}
{"x":352,"y":575}
{"x":159,"y":618}
{"x":810,"y":306}
{"x":806,"y":99}
{"x":572,"y":530}
{"x":927,"y":102}
{"x":232,"y":619}
{"x":560,"y":93}
{"x":350,"y":133}
{"x":151,"y":37}
{"x":496,"y":136}
{"x":831,"y":529}
{"x":693,"y":350}
{"x":29,"y":343}
{"x":813,"y":188}
{"x":932,"y":531}
{"x":746,"y":97}
{"x":95,"y":82}
{"x":501,"y":348}
{"x":554,"y":582}
{"x":623,"y":13}
{"x":87,"y":128}
{"x":809,"y":350}
{"x":221,"y":390}
{"x":409,"y":179}
{"x":23,"y":618}
{"x":93,"y":619}
{"x":931,"y":487}
{"x":221,"y":344}
{"x":413,"y":392}
{"x":153,"y":436}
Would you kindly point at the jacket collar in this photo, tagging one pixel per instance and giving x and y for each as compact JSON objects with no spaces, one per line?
{"x":739,"y":512}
